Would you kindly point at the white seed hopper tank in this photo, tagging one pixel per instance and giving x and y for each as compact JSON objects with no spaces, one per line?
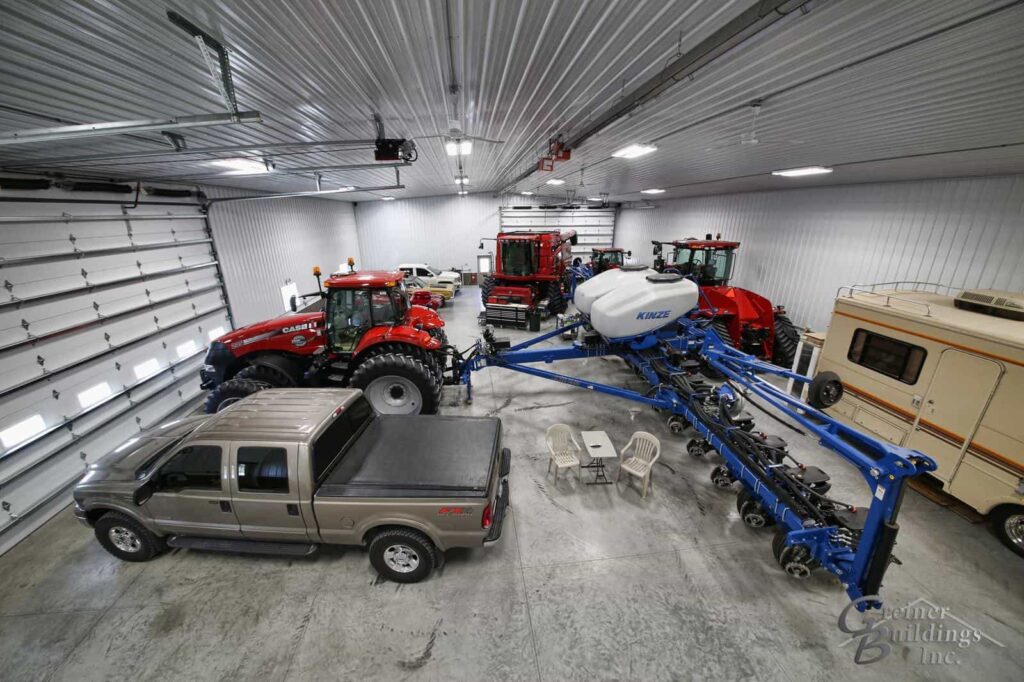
{"x":639,"y":305}
{"x":599,"y":285}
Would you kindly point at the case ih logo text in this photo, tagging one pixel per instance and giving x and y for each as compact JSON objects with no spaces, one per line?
{"x":652,"y":314}
{"x":297,"y":328}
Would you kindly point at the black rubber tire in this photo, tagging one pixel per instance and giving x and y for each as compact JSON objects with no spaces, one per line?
{"x":556,"y":299}
{"x":787,"y":338}
{"x":825,"y":390}
{"x":746,"y":503}
{"x":273,"y":377}
{"x":232,"y":390}
{"x":418,"y":542}
{"x":149,"y":545}
{"x":408,"y":367}
{"x":435,"y":361}
{"x":781,"y":552}
{"x":999,"y":517}
{"x":721,"y":327}
{"x":486,"y":287}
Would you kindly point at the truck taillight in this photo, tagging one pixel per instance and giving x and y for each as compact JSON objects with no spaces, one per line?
{"x":487,"y":518}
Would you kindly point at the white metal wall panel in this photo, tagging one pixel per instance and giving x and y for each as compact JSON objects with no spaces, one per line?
{"x":595,"y":228}
{"x":150,"y":292}
{"x":264,"y":245}
{"x":800,"y":246}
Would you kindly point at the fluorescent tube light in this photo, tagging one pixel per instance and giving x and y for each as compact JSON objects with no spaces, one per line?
{"x":527,"y":194}
{"x":653,"y":190}
{"x":556,"y":181}
{"x":634,"y":150}
{"x":241,"y":165}
{"x":807,"y":170}
{"x":387,"y":198}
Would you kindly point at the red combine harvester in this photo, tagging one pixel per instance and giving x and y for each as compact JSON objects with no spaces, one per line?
{"x":746,"y":320}
{"x":366,"y":336}
{"x":530,"y":268}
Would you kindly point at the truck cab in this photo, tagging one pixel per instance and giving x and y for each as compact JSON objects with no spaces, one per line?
{"x":286,"y":470}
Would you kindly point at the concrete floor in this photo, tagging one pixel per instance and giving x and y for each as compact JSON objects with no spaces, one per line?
{"x":588,"y":583}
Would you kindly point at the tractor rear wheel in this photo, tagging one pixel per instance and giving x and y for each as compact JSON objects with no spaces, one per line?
{"x":230,"y":392}
{"x":485,"y":288}
{"x":556,"y":300}
{"x":432,"y":360}
{"x":398,"y":384}
{"x":786,"y":340}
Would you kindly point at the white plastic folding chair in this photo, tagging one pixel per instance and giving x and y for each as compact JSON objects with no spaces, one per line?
{"x":564,"y":450}
{"x":644,"y":450}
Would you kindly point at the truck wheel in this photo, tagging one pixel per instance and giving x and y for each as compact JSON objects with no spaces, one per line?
{"x":126,"y":538}
{"x":825,"y":390}
{"x":786,"y":340}
{"x":485,"y":289}
{"x":1008,"y":523}
{"x":229,"y":393}
{"x":556,"y":300}
{"x":403,"y":555}
{"x":397,"y":384}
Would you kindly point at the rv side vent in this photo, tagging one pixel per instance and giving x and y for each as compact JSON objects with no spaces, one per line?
{"x":989,"y":302}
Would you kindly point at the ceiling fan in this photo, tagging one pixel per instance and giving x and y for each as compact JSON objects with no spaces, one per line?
{"x":751,"y":138}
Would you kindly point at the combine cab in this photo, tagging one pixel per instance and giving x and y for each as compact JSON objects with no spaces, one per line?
{"x":746,"y":320}
{"x":366,"y":336}
{"x":605,"y":258}
{"x":531,"y":276}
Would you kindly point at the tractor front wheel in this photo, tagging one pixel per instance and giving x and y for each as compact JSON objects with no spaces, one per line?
{"x":787,"y":338}
{"x":398,"y":384}
{"x":485,"y":289}
{"x":230,"y":392}
{"x":556,"y":300}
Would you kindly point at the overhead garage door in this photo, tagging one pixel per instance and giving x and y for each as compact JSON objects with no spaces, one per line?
{"x":595,"y":227}
{"x":105,"y":317}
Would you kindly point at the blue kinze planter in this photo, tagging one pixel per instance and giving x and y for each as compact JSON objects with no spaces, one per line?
{"x":679,"y":360}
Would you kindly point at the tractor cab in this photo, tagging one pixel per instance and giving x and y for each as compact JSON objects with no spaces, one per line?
{"x":361,"y":300}
{"x":707,"y":261}
{"x":602,"y":259}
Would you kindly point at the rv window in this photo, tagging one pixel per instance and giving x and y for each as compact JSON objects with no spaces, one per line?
{"x":888,"y":356}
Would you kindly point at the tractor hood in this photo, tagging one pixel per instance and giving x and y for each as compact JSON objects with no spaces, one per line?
{"x":284,"y":324}
{"x":425,"y":317}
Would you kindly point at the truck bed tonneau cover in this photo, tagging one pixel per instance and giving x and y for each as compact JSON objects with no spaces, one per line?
{"x":417,"y":456}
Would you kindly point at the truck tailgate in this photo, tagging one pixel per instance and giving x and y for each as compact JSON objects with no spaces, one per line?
{"x":421,"y":456}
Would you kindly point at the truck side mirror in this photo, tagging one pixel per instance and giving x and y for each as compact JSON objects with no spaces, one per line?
{"x":293,"y":304}
{"x":143,"y":493}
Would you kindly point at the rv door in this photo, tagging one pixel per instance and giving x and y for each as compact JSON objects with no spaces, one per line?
{"x":952,"y":408}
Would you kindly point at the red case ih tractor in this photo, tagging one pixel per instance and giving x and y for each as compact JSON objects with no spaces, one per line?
{"x":367,"y":336}
{"x":744,"y":319}
{"x":529,"y":268}
{"x":604,"y":258}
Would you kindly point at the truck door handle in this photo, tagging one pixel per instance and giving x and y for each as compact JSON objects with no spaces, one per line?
{"x":225,"y":506}
{"x":293,"y":509}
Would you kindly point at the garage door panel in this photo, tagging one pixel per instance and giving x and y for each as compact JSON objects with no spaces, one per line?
{"x":594,"y":228}
{"x":103,"y":327}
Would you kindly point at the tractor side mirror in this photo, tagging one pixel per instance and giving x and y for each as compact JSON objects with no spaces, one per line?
{"x":629,"y":254}
{"x":293,"y":304}
{"x":574,"y":240}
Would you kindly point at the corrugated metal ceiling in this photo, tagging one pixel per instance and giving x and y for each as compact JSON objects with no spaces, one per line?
{"x":316,"y":70}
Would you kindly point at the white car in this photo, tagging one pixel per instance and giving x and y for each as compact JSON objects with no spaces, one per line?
{"x":432,"y":276}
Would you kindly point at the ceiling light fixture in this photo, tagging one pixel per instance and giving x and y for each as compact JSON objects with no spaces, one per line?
{"x":556,"y":181}
{"x":653,"y":190}
{"x":346,"y":189}
{"x":527,"y":193}
{"x":463,"y":192}
{"x":242,"y":165}
{"x":634,"y":150}
{"x":461,"y":180}
{"x":458,"y":147}
{"x":806,"y":170}
{"x":387,"y":198}
{"x":594,"y":199}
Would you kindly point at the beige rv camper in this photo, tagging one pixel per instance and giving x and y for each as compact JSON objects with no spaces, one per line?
{"x":943,"y":374}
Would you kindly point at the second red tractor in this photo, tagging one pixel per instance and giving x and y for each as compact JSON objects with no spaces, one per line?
{"x":531,"y":269}
{"x":743,"y":318}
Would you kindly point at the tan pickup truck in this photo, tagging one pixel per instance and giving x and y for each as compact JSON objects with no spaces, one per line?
{"x":286,"y":470}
